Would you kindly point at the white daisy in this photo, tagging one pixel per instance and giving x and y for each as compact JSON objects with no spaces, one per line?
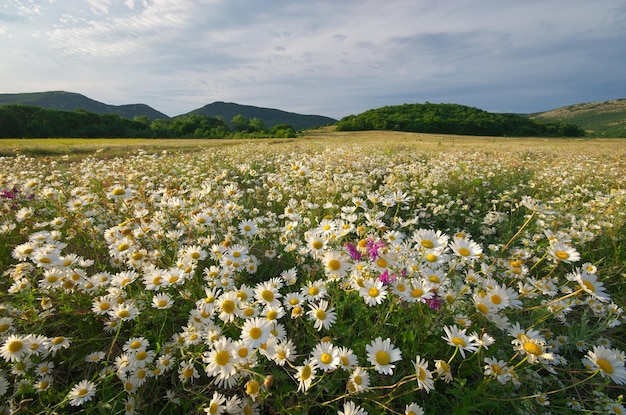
{"x":381,"y":354}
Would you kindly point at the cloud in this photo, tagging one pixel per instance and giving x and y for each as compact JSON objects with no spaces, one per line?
{"x":327,"y":57}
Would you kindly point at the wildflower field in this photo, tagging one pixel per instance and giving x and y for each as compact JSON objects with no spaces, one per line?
{"x":398,"y":274}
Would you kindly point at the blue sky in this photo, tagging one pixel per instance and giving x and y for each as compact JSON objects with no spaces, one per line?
{"x":327,"y":57}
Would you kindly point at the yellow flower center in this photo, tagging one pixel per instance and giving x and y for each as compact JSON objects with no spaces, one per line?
{"x":605,"y":366}
{"x":320,"y":314}
{"x":118,"y":191}
{"x":213,"y":408}
{"x":123,"y":314}
{"x":122,"y":247}
{"x":427,"y":243}
{"x":496,"y":299}
{"x":272,"y":315}
{"x":334,"y":265}
{"x":162,"y":303}
{"x":313,"y":291}
{"x":561,"y":254}
{"x":326,"y":358}
{"x":382,"y":358}
{"x":222,"y":357}
{"x":58,"y":340}
{"x":381,"y":262}
{"x":464,"y":251}
{"x":135,"y":345}
{"x":15,"y":346}
{"x":459,"y":342}
{"x":421,"y":374}
{"x":82,"y":392}
{"x":255,"y":333}
{"x":267,"y":295}
{"x":142,"y":355}
{"x":589,"y":286}
{"x":358,"y":380}
{"x":373,"y":292}
{"x":228,"y":306}
{"x":417,"y":292}
{"x":482,"y":308}
{"x":306,"y":373}
{"x":533,"y":348}
{"x":317,"y":244}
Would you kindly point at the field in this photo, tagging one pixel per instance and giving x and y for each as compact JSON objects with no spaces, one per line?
{"x":342,"y":273}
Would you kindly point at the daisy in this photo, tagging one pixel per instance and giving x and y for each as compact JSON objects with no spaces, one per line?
{"x":591,"y":285}
{"x":430,"y":240}
{"x":314,"y":290}
{"x":373,"y":291}
{"x":347,"y":358}
{"x":136,"y":344}
{"x":563,"y":252}
{"x":424,"y":376}
{"x":95,"y":357}
{"x":325,"y":356}
{"x":497,"y":369}
{"x":255,"y":331}
{"x":284,"y":352}
{"x":359,"y":380}
{"x":216,"y":404}
{"x":43,"y":383}
{"x":609,"y":362}
{"x":350,"y":408}
{"x":457,"y":338}
{"x":267,"y":294}
{"x":227,"y":305}
{"x":220,"y":359}
{"x":381,"y":354}
{"x":15,"y":348}
{"x":162,"y":301}
{"x":323,"y":315}
{"x":82,"y":392}
{"x":124,"y":312}
{"x":443,"y":370}
{"x":413,"y":409}
{"x":305,"y":375}
{"x":466,"y":248}
{"x":187,"y":372}
{"x":335,"y":264}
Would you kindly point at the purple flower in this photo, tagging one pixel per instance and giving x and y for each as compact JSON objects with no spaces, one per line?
{"x":434,"y":303}
{"x":385,"y":278}
{"x":373,"y":247}
{"x":353,"y":251}
{"x":9,"y":194}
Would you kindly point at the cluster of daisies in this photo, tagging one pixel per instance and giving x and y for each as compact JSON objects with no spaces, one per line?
{"x":233,"y":280}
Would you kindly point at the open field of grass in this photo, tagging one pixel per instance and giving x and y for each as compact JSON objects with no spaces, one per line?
{"x":343,"y":273}
{"x":75,"y":149}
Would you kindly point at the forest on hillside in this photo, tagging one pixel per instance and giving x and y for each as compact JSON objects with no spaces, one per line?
{"x":454,"y":119}
{"x":25,"y":121}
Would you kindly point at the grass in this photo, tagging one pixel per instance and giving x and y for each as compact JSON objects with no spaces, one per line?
{"x":518,"y":310}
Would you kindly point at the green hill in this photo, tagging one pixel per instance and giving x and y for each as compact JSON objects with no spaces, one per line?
{"x":598,"y":119}
{"x":269,"y":116}
{"x":70,"y":101}
{"x":453,"y":119}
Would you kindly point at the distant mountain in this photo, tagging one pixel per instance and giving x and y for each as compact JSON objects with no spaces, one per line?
{"x":269,"y":116}
{"x":598,"y":119}
{"x":70,"y":101}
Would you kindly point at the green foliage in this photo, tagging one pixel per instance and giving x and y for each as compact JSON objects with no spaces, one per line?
{"x":22,"y":121}
{"x":453,"y":119}
{"x":598,"y":119}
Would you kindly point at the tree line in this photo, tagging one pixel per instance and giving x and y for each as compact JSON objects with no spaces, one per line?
{"x":454,"y":119}
{"x":25,"y":121}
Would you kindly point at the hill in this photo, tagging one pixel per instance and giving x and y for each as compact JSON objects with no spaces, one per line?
{"x":453,"y":119}
{"x":598,"y":119}
{"x":70,"y":101}
{"x":269,"y":116}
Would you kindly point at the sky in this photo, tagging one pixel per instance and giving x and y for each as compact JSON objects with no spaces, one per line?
{"x":324,"y":57}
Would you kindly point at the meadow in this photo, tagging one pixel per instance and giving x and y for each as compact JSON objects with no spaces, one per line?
{"x":347,"y":273}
